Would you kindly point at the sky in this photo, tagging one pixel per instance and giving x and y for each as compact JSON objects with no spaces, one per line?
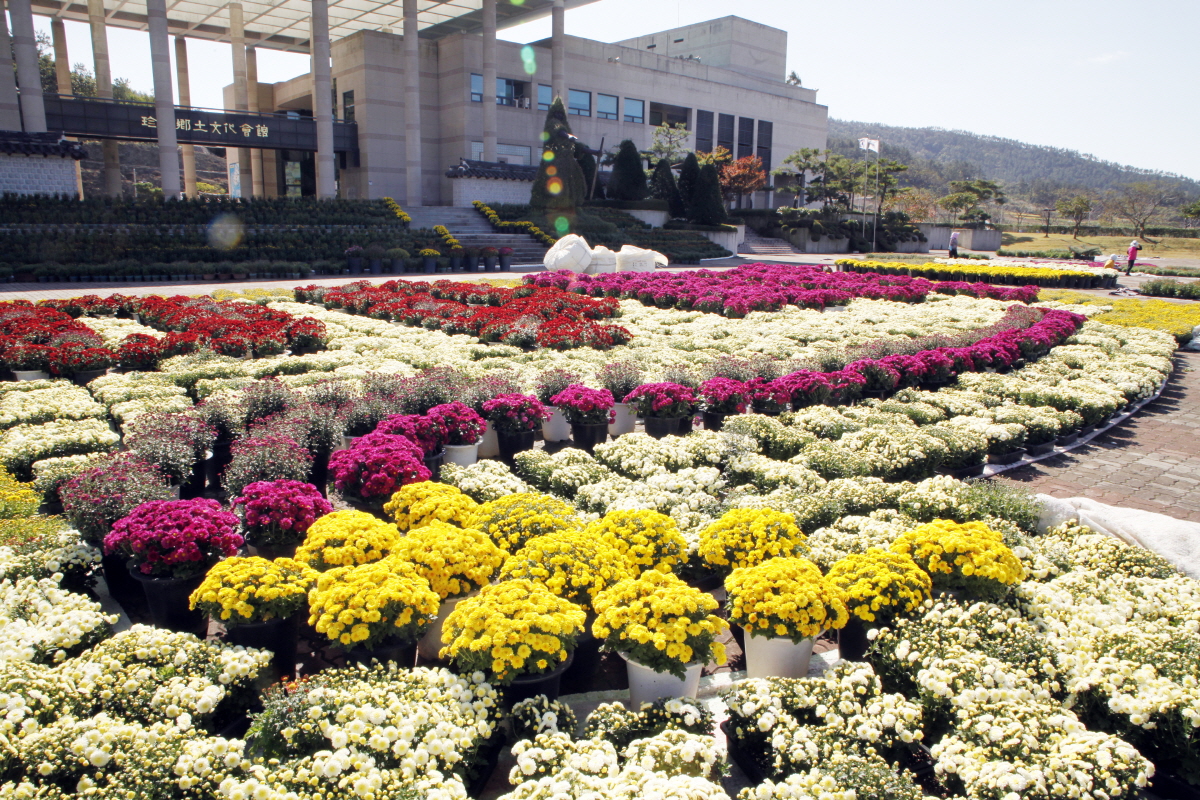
{"x":1111,"y":78}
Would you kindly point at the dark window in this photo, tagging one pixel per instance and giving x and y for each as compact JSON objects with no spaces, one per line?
{"x":704,"y":131}
{"x":663,"y":114}
{"x":579,"y":103}
{"x":635,"y":111}
{"x":766,"y":131}
{"x":476,"y":88}
{"x":348,"y":106}
{"x":545,"y":97}
{"x":606,"y":106}
{"x":677,"y":41}
{"x":651,"y":46}
{"x":725,"y":131}
{"x":745,"y":137}
{"x":510,"y":92}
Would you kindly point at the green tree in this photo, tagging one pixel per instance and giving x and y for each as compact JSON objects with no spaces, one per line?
{"x":587,"y":165}
{"x":689,"y":179}
{"x":83,"y":82}
{"x":669,"y":142}
{"x":1140,"y":203}
{"x":967,"y":199}
{"x":1075,"y":209}
{"x":797,"y":167}
{"x":663,"y":187}
{"x":709,"y":206}
{"x":628,"y":178}
{"x":793,"y":79}
{"x":559,"y":184}
{"x":1191,"y":211}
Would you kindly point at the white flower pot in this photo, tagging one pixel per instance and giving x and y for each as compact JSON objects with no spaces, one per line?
{"x":646,"y":685}
{"x":31,"y":374}
{"x":777,"y":657}
{"x":462,"y":454}
{"x":624,"y":418}
{"x":429,"y":645}
{"x":489,"y":447}
{"x":556,"y":429}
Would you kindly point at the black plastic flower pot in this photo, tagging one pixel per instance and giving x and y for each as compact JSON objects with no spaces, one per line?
{"x":167,"y":599}
{"x":660,"y":427}
{"x":587,"y":436}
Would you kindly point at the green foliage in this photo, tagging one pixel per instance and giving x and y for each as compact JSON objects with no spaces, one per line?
{"x":708,"y":207}
{"x":669,"y":142}
{"x":587,"y":165}
{"x":1004,"y":500}
{"x":628,"y":179}
{"x":1169,"y":288}
{"x":209,"y":188}
{"x":663,"y":187}
{"x":689,"y":177}
{"x":559,"y":185}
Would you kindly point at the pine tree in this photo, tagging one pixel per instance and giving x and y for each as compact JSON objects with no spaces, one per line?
{"x":559,"y":185}
{"x":587,"y":165}
{"x":663,"y":186}
{"x":710,"y":206}
{"x":689,"y":176}
{"x":628,"y":179}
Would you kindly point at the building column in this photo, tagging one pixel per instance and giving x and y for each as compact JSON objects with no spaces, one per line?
{"x":112,"y":156}
{"x":185,"y":99}
{"x":62,"y":76}
{"x":29,"y":78}
{"x":241,"y":93}
{"x":256,"y":154}
{"x":412,"y":105}
{"x":10,"y":105}
{"x":490,"y":125}
{"x":164,"y":97}
{"x":558,"y":49}
{"x":322,"y":98}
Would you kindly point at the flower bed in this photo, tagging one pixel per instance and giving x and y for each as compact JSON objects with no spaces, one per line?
{"x":989,"y":272}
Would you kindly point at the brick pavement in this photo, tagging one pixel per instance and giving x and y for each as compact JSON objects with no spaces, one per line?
{"x":1150,"y":462}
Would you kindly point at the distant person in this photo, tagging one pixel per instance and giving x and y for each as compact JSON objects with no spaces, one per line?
{"x":1134,"y":247}
{"x":954,"y":244}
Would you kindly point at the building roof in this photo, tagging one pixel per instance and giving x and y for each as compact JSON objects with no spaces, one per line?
{"x":15,"y":143}
{"x":498,"y":171}
{"x":283,"y":24}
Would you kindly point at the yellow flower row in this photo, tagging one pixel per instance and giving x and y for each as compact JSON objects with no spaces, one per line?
{"x":1177,"y":319}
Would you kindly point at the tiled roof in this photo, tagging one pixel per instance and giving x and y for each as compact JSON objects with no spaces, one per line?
{"x":40,"y":144}
{"x":491,"y":169}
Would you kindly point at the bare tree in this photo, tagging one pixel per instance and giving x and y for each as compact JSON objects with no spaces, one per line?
{"x":1140,"y":203}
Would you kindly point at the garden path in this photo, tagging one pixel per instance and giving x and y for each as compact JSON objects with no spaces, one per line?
{"x":1150,"y":462}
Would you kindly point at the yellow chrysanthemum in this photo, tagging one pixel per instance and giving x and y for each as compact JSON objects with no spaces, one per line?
{"x":962,"y":555}
{"x":879,"y":582}
{"x":745,"y":537}
{"x":573,"y":564}
{"x":785,"y":598}
{"x":372,"y":604}
{"x":455,"y":561}
{"x":649,"y":539}
{"x":419,"y":504}
{"x":516,"y":518}
{"x":242,"y":590}
{"x":346,"y":539}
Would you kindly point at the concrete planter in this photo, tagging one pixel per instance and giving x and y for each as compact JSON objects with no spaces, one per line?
{"x":938,"y":236}
{"x":801,"y":239}
{"x":971,"y":239}
{"x":655,"y":219}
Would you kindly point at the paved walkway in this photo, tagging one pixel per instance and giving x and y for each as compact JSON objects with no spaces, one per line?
{"x":1150,"y":462}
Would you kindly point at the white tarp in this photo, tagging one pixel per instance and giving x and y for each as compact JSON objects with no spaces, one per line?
{"x":570,"y":252}
{"x":603,"y":260}
{"x":1176,"y":540}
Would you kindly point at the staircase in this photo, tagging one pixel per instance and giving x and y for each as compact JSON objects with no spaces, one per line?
{"x":756,"y":245}
{"x":474,"y":231}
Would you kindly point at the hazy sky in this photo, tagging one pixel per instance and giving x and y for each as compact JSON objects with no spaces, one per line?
{"x":1117,"y":79}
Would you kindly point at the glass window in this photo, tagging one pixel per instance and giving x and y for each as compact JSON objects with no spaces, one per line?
{"x":348,"y":106}
{"x":704,"y":131}
{"x":545,"y":97}
{"x":663,"y":114}
{"x":579,"y":103}
{"x":510,"y":93}
{"x":606,"y":106}
{"x":725,"y":131}
{"x":745,"y":137}
{"x":766,"y":132}
{"x":635,"y":111}
{"x":476,"y":88}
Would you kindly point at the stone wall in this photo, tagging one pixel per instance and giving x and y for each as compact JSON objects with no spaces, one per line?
{"x":973,"y":239}
{"x":489,"y":190}
{"x":37,"y":175}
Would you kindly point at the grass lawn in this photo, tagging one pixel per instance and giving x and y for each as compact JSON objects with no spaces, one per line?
{"x":1187,"y":248}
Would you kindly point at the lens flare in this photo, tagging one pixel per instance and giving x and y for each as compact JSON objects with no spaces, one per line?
{"x":554,"y":186}
{"x":562,"y":225}
{"x":225,"y":232}
{"x":530,"y":59}
{"x":547,"y":155}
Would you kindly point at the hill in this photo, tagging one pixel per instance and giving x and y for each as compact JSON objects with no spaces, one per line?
{"x":937,"y":156}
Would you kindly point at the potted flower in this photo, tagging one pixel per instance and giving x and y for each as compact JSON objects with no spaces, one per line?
{"x":746,"y":537}
{"x":967,"y":558}
{"x":374,"y":254}
{"x":419,"y":504}
{"x":170,"y":544}
{"x":650,"y":540}
{"x":80,"y":363}
{"x":457,"y":562}
{"x":621,"y":378}
{"x":395,"y":259}
{"x":177,"y":443}
{"x":783,"y":605}
{"x":662,"y":406}
{"x":470,"y":259}
{"x":514,"y":519}
{"x":373,"y":611}
{"x":346,"y":539}
{"x":588,"y":411}
{"x":429,"y":259}
{"x":257,"y":601}
{"x":518,"y":633}
{"x":489,"y":256}
{"x":515,"y":418}
{"x":549,"y":383}
{"x":375,"y":466}
{"x":28,"y":362}
{"x":463,"y":429}
{"x":722,"y":397}
{"x":879,"y":586}
{"x":276,"y":515}
{"x":505,"y":254}
{"x":266,"y":457}
{"x":421,"y":430}
{"x":664,"y":629}
{"x":354,"y":259}
{"x":768,"y":396}
{"x":456,"y":258}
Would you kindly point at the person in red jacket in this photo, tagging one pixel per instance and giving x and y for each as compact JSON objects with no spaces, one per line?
{"x":1134,"y":247}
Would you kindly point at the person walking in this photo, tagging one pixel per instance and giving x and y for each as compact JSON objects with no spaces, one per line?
{"x":954,"y":244}
{"x":1134,"y":247}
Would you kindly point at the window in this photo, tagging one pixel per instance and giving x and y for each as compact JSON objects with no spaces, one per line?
{"x":725,"y":131}
{"x":663,"y":114}
{"x":511,"y":93}
{"x":579,"y":103}
{"x":476,"y":88}
{"x":766,"y":132}
{"x":505,"y":153}
{"x":704,"y":131}
{"x":348,"y":106}
{"x":635,"y":111}
{"x":545,"y":97}
{"x":745,"y":137}
{"x":606,"y":106}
